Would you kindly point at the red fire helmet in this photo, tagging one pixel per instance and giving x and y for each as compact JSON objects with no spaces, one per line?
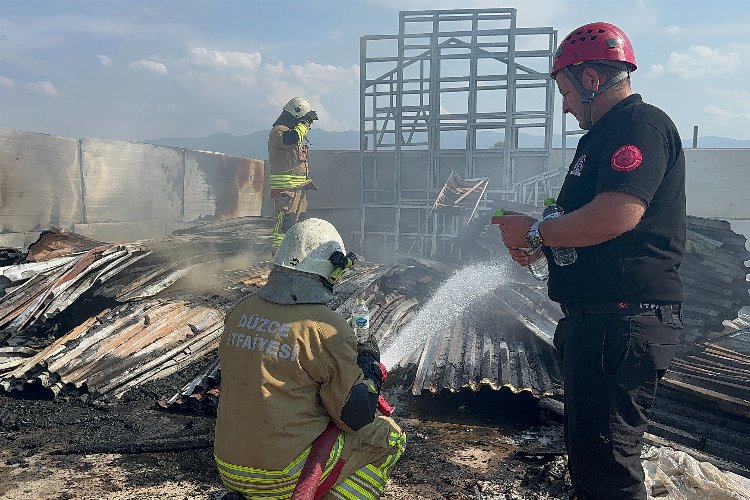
{"x":594,"y":42}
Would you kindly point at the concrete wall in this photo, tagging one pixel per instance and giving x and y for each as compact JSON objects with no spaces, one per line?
{"x":116,"y":190}
{"x":119,"y":191}
{"x":339,"y":195}
{"x":717,"y":182}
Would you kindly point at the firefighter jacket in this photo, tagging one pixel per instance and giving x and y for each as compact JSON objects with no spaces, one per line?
{"x":289,"y":167}
{"x":286,"y":371}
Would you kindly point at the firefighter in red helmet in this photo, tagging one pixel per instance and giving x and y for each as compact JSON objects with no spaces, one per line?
{"x":624,"y":203}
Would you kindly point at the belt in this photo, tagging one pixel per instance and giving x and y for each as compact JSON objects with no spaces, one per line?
{"x":666,"y":313}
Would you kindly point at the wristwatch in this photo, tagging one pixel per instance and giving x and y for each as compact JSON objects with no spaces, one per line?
{"x":534,"y":237}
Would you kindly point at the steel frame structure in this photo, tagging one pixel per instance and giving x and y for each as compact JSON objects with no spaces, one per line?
{"x":406,"y":121}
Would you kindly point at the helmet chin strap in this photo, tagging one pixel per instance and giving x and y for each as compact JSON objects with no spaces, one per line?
{"x":587,"y":96}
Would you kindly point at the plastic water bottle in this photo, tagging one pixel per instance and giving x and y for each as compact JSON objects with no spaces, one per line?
{"x":361,"y":320}
{"x":563,"y":256}
{"x":538,"y":266}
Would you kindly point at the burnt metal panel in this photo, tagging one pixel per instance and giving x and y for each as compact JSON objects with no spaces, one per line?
{"x":126,"y":181}
{"x":54,"y":289}
{"x":486,"y":346}
{"x":120,"y":349}
{"x":218,"y":186}
{"x":40,"y":181}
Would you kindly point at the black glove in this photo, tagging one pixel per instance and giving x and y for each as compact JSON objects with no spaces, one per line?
{"x":311,"y":116}
{"x":368,"y":359}
{"x":368,"y":348}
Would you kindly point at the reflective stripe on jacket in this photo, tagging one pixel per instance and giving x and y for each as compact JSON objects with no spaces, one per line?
{"x":288,"y":181}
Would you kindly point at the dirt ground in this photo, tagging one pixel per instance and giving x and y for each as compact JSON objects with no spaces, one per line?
{"x":490,"y":445}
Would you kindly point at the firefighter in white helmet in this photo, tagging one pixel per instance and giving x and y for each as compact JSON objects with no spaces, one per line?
{"x":290,"y":172}
{"x":289,"y":366}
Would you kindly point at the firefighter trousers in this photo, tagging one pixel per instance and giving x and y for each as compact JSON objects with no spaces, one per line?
{"x":368,"y":454}
{"x":289,"y":206}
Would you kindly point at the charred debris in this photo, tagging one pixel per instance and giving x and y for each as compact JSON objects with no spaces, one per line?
{"x":91,"y":320}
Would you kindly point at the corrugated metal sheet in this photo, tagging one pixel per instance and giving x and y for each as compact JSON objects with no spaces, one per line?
{"x":54,"y":289}
{"x":719,"y":371}
{"x":714,"y":277}
{"x":222,"y":257}
{"x":40,"y":181}
{"x":121,"y":348}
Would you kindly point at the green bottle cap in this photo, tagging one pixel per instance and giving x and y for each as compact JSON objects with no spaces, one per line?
{"x":549,"y":201}
{"x":498,"y":213}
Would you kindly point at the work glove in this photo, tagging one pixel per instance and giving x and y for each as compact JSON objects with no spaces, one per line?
{"x":310,"y":117}
{"x":368,"y":348}
{"x":368,"y":359}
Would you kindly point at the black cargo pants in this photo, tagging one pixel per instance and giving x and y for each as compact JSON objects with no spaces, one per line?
{"x":611,"y":363}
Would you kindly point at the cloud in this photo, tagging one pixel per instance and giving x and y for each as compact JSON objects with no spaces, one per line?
{"x":149,"y":65}
{"x":104,"y":60}
{"x":657,"y":70}
{"x":726,"y":114}
{"x":697,"y":62}
{"x":327,"y":77}
{"x":735,"y":104}
{"x":243,"y":83}
{"x":44,"y":88}
{"x":200,"y":56}
{"x":671,"y":30}
{"x":6,"y":82}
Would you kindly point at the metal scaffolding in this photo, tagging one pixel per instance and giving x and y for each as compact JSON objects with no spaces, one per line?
{"x":452,"y":91}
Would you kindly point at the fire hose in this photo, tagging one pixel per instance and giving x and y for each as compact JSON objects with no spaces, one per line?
{"x":309,"y":486}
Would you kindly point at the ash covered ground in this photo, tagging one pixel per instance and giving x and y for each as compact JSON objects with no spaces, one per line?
{"x":484,"y":445}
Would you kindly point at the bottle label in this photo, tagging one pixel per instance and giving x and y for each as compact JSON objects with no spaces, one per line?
{"x":360,"y":322}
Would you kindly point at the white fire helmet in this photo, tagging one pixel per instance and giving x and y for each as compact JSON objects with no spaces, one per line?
{"x":298,"y":107}
{"x":307,"y":246}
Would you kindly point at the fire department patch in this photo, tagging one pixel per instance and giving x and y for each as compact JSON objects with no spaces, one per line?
{"x":626,"y":158}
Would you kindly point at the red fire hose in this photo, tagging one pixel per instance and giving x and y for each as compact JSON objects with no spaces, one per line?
{"x":309,"y":486}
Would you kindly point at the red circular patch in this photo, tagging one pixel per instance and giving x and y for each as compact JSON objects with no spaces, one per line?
{"x":626,"y":158}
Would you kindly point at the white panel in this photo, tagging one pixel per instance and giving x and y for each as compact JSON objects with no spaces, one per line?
{"x":718,"y":183}
{"x":125,"y":181}
{"x":39,"y":181}
{"x":218,"y":186}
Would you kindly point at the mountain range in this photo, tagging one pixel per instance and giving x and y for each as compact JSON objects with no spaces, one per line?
{"x":255,"y":144}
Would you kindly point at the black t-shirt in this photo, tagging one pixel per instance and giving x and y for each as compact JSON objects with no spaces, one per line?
{"x":633,"y":148}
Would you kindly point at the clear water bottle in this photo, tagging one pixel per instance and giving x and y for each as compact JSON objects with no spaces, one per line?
{"x":361,"y":320}
{"x":538,"y":266}
{"x":563,"y":256}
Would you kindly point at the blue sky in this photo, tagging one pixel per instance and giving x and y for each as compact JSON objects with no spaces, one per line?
{"x":131,"y":70}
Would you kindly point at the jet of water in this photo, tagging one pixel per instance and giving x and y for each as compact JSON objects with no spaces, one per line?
{"x":465,"y":287}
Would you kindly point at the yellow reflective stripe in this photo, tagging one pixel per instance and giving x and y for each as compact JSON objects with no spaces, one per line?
{"x":287,"y":181}
{"x":356,"y":492}
{"x":301,"y":130}
{"x":396,"y":439}
{"x":274,"y":483}
{"x":370,"y":385}
{"x":372,"y":477}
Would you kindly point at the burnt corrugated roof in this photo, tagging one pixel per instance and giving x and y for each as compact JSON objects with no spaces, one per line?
{"x":120,"y":348}
{"x":141,"y":338}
